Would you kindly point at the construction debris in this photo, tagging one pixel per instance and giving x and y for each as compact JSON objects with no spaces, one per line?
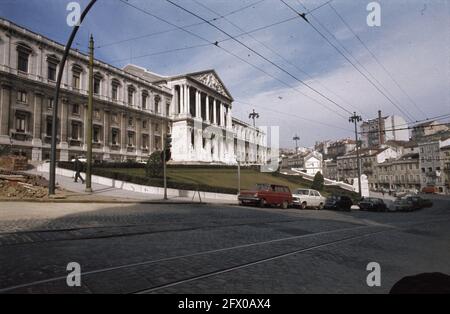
{"x":14,"y":163}
{"x":22,"y":186}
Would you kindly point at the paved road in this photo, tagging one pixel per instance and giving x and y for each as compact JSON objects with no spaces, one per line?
{"x":215,"y":249}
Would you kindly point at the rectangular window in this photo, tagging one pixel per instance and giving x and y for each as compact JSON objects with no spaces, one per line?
{"x":115,"y":137}
{"x":51,"y":74}
{"x":50,"y":103}
{"x":144,"y":101}
{"x":130,"y":97}
{"x":76,"y":80}
{"x":96,"y":135}
{"x":48,"y":128}
{"x":115,"y":91}
{"x":20,"y":123}
{"x":130,"y":139}
{"x":97,"y":81}
{"x":22,"y":61}
{"x":22,"y":97}
{"x":76,"y":109}
{"x":144,"y":124}
{"x":145,"y":141}
{"x":75,"y":131}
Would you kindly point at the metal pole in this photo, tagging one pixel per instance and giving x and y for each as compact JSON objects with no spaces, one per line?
{"x":52,"y":174}
{"x":89,"y":117}
{"x":355,"y":119}
{"x":239,"y":177}
{"x":165,"y":173}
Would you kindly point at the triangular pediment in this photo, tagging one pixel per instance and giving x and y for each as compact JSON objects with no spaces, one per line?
{"x":212,"y":80}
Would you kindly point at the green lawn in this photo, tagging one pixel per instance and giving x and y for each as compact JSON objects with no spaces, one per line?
{"x":227,"y":178}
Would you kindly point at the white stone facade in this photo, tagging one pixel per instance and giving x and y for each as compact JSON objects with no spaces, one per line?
{"x":133,"y":109}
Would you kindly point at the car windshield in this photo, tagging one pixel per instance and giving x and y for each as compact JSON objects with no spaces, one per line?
{"x":262,"y":187}
{"x":302,"y":192}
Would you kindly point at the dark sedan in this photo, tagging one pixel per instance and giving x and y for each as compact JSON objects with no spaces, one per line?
{"x":373,"y":204}
{"x":338,"y":203}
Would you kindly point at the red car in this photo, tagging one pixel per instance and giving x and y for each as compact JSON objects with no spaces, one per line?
{"x":267,"y":194}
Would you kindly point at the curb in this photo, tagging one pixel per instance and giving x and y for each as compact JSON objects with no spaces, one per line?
{"x":112,"y":201}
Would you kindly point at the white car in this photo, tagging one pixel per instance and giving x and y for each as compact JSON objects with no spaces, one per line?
{"x":304,"y":198}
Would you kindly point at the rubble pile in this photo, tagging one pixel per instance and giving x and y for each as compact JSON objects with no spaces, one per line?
{"x":22,"y":186}
{"x":14,"y":163}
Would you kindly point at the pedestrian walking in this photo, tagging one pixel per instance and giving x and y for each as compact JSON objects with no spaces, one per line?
{"x":78,"y":168}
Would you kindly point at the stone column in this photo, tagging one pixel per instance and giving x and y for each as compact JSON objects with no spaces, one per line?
{"x":198,"y":105}
{"x":36,"y":153}
{"x":188,"y":100}
{"x":5,"y":106}
{"x":182,"y":99}
{"x":222,"y":114}
{"x":207,"y":108}
{"x":214,"y":112}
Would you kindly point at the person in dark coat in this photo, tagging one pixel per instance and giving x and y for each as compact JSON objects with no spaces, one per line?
{"x":78,"y":168}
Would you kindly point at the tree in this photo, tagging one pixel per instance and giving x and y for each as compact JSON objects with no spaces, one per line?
{"x":318,"y":182}
{"x":154,"y":166}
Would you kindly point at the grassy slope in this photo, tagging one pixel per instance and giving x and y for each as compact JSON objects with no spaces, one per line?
{"x":227,"y":178}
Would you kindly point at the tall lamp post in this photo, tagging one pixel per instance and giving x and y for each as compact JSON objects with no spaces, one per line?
{"x":89,"y":117}
{"x":355,"y":119}
{"x":254,"y":115}
{"x":296,"y":138}
{"x":52,"y":174}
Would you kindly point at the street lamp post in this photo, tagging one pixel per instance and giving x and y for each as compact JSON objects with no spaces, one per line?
{"x":52,"y":174}
{"x":89,"y":117}
{"x":254,"y":115}
{"x":355,"y":119}
{"x":296,"y":138}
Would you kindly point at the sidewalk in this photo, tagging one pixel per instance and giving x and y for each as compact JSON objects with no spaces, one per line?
{"x":103,"y":193}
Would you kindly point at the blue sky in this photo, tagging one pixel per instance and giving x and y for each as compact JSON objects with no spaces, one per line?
{"x":412,"y":43}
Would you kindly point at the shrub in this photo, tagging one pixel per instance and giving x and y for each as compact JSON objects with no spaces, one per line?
{"x":154,"y":166}
{"x":318,"y":182}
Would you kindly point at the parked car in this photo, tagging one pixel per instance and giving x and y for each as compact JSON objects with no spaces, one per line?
{"x":304,"y":198}
{"x":429,"y":190}
{"x":338,"y":203}
{"x":419,"y":202}
{"x":372,"y":204}
{"x":403,"y":205}
{"x":267,"y":194}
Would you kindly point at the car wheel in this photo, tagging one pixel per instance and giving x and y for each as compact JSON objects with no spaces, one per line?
{"x":303,"y":206}
{"x":285,"y":205}
{"x":320,"y":207}
{"x":262,"y":203}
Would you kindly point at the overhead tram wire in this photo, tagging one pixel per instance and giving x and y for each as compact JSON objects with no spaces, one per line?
{"x":348,"y":60}
{"x":293,"y":115}
{"x":260,"y":55}
{"x":162,"y":52}
{"x":173,"y":29}
{"x":232,"y":54}
{"x":377,"y":60}
{"x":391,"y":97}
{"x":277,"y":53}
{"x":408,"y":115}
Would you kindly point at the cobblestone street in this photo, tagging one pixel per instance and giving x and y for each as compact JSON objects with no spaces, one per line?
{"x":179,"y":248}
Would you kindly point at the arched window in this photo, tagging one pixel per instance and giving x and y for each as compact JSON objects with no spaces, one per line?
{"x":23,"y":56}
{"x":97,"y":83}
{"x":115,"y":85}
{"x":131,"y":90}
{"x":52,"y":66}
{"x":144,"y":99}
{"x":76,"y":76}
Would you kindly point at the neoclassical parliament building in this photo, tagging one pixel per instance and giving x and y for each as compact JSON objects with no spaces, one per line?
{"x":134,"y":108}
